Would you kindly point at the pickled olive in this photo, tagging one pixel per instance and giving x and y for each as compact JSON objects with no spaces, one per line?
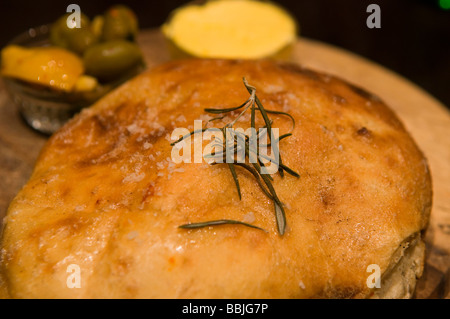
{"x":111,"y":59}
{"x":80,"y":40}
{"x":97,"y":25}
{"x":59,"y":31}
{"x":58,"y":36}
{"x":120,"y":22}
{"x":75,"y":39}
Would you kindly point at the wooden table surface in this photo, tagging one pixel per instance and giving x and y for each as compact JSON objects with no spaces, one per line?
{"x":426,"y":119}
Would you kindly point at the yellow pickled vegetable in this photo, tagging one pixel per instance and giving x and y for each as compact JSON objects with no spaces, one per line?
{"x":231,"y":29}
{"x":85,"y":83}
{"x":50,"y":66}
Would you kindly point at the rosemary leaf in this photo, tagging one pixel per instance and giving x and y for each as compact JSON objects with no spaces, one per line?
{"x":279,"y":139}
{"x":281,"y":218}
{"x":226,"y":110}
{"x":284,"y":167}
{"x":259,"y":164}
{"x":267,"y":121}
{"x":269,"y":129}
{"x":284,"y":136}
{"x":289,"y":170}
{"x":255,"y":173}
{"x":236,"y":181}
{"x":187,"y":135}
{"x":218,"y":222}
{"x":280,"y":215}
{"x":214,"y":119}
{"x":252,"y":116}
{"x":283,"y":113}
{"x":271,"y":189}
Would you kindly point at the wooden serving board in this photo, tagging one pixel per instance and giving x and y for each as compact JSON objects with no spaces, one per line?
{"x":427,"y":120}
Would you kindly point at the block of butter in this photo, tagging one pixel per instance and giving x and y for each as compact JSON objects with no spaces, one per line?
{"x":231,"y":29}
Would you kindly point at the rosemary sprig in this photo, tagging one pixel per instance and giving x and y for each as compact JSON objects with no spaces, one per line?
{"x":234,"y":145}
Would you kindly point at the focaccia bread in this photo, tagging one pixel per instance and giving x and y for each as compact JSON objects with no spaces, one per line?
{"x":106,"y":196}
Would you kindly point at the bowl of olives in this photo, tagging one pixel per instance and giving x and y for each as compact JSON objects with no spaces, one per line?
{"x":55,"y":70}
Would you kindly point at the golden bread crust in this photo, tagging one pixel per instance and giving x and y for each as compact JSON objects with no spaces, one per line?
{"x":104,"y":194}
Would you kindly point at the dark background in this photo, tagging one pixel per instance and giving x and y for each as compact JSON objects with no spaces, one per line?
{"x":414,"y":39}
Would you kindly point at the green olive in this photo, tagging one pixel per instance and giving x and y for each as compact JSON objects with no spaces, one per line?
{"x":97,"y":25}
{"x":120,"y":22}
{"x":109,"y":60}
{"x":80,"y":40}
{"x":59,"y":31}
{"x":74,"y":39}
